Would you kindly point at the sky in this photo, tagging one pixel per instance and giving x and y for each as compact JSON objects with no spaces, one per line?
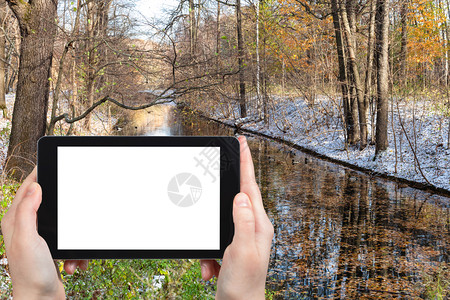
{"x":149,"y":10}
{"x":153,"y":8}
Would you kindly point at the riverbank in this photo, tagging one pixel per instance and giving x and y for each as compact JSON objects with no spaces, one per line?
{"x":417,"y":155}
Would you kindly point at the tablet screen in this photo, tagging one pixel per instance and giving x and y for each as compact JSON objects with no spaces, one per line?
{"x":138,"y":198}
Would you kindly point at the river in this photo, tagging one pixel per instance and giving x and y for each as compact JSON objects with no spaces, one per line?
{"x":339,"y":233}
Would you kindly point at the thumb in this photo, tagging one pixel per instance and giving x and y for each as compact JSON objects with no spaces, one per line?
{"x":244,"y":220}
{"x":26,"y":212}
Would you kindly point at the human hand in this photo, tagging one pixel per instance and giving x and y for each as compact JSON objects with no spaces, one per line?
{"x":245,"y":261}
{"x":34,"y":274}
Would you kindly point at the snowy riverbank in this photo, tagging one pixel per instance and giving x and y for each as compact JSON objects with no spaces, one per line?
{"x":319,"y":127}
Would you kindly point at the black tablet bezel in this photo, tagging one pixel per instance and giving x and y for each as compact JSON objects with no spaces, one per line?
{"x":47,"y":178}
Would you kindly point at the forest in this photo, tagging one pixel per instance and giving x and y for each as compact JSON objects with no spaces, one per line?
{"x":373,"y":73}
{"x":365,"y":83}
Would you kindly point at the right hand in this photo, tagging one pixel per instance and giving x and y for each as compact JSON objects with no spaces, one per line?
{"x":245,"y":261}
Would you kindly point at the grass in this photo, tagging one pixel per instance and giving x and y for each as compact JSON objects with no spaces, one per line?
{"x":437,"y":284}
{"x":8,"y":191}
{"x":134,"y":279}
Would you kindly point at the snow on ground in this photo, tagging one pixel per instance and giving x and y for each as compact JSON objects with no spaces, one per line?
{"x":99,"y":124}
{"x":319,"y":128}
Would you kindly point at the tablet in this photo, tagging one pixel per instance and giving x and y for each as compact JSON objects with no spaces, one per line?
{"x":137,"y":197}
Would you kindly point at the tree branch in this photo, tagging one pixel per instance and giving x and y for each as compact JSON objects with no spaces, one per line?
{"x":311,"y":12}
{"x":412,"y":147}
{"x":66,"y":117}
{"x":19,"y":7}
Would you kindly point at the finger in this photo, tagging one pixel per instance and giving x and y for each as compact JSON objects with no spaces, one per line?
{"x":247,"y":171}
{"x":70,"y":266}
{"x":83,"y":264}
{"x":209,"y":268}
{"x":26,"y":211}
{"x":248,"y":182}
{"x":249,"y":186}
{"x":244,"y":222}
{"x":263,"y":227}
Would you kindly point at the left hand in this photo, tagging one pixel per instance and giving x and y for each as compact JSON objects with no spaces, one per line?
{"x":34,"y":274}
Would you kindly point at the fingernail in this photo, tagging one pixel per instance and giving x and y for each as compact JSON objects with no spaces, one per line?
{"x":31,"y":189}
{"x":242,"y":200}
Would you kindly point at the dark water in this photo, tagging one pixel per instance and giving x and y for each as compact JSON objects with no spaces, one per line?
{"x":338,"y":233}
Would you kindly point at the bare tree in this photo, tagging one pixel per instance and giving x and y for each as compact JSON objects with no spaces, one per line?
{"x":96,"y":27}
{"x":349,"y":121}
{"x":192,"y":28}
{"x":240,"y":46}
{"x":348,"y":22}
{"x":404,"y":41}
{"x":382,"y":45}
{"x":369,"y":64}
{"x":37,"y":28}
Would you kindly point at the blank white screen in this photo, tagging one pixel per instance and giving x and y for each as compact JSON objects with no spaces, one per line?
{"x":117,"y":198}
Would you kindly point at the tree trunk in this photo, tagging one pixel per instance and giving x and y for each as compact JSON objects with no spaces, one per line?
{"x":402,"y":58}
{"x":242,"y":103}
{"x":218,"y":40}
{"x":382,"y":20}
{"x":37,"y":28}
{"x":57,"y":90}
{"x":370,"y":46}
{"x":348,"y":22}
{"x":258,"y":64}
{"x":192,"y":28}
{"x":349,"y":122}
{"x":447,"y":52}
{"x":97,"y":24}
{"x":92,"y":59}
{"x":100,"y":34}
{"x":3,"y":8}
{"x":265,"y":98}
{"x":76,"y":50}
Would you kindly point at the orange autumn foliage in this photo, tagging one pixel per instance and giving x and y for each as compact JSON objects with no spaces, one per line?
{"x":297,"y":37}
{"x":425,"y":21}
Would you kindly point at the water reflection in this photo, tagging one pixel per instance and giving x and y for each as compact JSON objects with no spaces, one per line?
{"x":154,"y":121}
{"x":338,"y":233}
{"x":341,"y":234}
